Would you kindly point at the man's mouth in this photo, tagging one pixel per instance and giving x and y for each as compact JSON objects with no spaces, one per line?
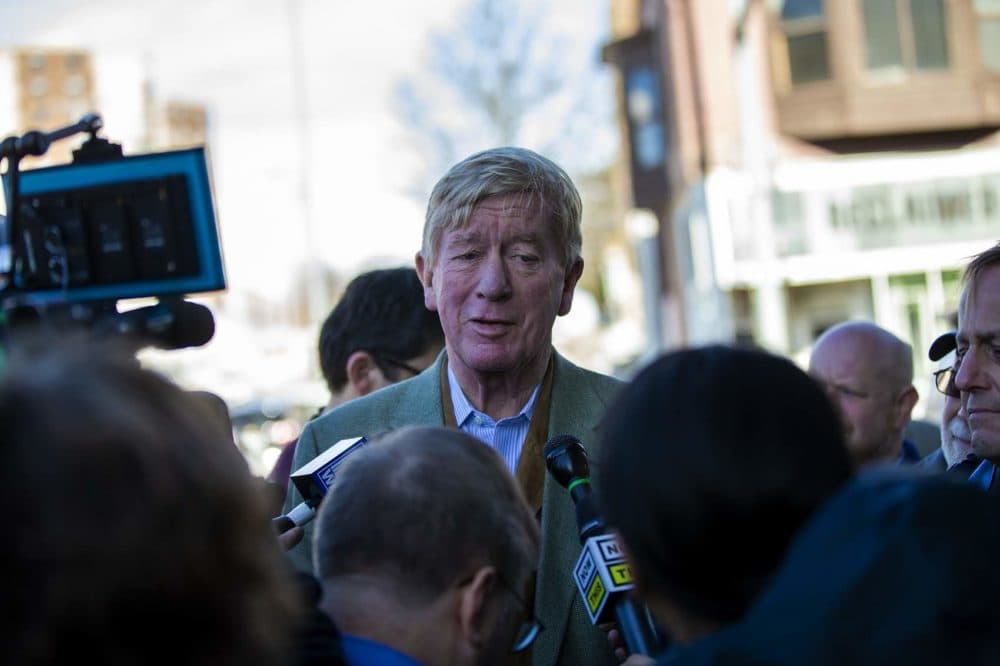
{"x":490,"y":326}
{"x":979,"y":415}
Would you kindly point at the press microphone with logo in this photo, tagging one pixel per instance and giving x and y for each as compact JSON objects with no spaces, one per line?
{"x":313,"y":481}
{"x":602,"y":575}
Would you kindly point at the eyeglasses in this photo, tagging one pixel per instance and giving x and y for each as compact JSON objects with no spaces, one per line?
{"x":944,"y":380}
{"x":530,"y":628}
{"x":388,"y":360}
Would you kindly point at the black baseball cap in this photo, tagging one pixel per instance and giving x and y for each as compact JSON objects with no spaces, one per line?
{"x":942,"y":346}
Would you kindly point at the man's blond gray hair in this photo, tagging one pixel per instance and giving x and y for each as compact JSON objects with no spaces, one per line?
{"x":500,"y":171}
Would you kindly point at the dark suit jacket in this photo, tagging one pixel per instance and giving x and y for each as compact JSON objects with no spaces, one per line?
{"x":579,"y":399}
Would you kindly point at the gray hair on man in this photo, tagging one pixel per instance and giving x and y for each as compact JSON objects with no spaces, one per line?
{"x":499,"y":171}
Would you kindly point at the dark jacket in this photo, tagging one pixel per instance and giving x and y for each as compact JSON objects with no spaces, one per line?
{"x":894,"y":570}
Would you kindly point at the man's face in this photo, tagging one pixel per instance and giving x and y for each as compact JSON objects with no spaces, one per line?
{"x":955,"y":437}
{"x":845,"y":368}
{"x":498,"y":285}
{"x":505,"y":616}
{"x":978,"y":377}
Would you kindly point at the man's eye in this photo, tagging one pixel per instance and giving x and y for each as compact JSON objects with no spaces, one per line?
{"x":526,"y":258}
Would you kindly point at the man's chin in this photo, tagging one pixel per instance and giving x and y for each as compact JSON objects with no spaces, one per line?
{"x":987,"y":446}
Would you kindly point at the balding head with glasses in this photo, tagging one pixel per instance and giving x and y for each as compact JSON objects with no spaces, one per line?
{"x":426,"y":548}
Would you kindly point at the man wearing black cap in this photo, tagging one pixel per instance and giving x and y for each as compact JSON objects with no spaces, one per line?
{"x":956,"y":447}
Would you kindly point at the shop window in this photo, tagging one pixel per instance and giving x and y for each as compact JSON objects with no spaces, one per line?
{"x":804,"y":25}
{"x":905,"y":34}
{"x":988,"y":19}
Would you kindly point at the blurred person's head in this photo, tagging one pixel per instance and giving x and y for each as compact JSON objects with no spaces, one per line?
{"x":500,"y":261}
{"x":956,"y":444}
{"x":711,"y":460}
{"x":426,"y":534}
{"x":868,"y":374}
{"x":978,"y":355}
{"x":379,"y":333}
{"x":137,"y":534}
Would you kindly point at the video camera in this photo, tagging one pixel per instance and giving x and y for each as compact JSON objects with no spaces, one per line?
{"x":79,"y":237}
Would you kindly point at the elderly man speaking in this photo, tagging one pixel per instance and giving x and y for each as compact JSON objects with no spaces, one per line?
{"x":500,"y":261}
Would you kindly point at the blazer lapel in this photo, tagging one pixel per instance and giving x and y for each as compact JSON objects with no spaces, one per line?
{"x":573,"y":411}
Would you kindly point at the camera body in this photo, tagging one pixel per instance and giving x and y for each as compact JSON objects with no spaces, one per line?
{"x":79,"y":237}
{"x":131,"y":227}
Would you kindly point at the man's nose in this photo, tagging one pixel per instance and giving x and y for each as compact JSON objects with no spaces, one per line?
{"x":967,"y":374}
{"x":494,"y":280}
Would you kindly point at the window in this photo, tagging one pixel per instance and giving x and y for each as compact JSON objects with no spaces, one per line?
{"x":36,"y":61}
{"x":75,"y":85}
{"x":38,"y":86}
{"x":905,"y":34}
{"x":988,"y":17}
{"x":805,"y":34}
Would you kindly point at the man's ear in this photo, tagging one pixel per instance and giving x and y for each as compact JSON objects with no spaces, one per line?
{"x":426,"y":275}
{"x":904,"y":406}
{"x":363,"y":374}
{"x":572,"y":276}
{"x":471,"y":605}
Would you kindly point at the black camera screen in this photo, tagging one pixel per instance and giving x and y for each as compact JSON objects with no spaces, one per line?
{"x":105,"y":235}
{"x":139,"y":226}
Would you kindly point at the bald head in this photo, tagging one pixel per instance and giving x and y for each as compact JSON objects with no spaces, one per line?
{"x":876,"y":347}
{"x":868,"y":373}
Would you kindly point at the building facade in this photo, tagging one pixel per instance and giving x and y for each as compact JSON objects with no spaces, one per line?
{"x":822,"y":161}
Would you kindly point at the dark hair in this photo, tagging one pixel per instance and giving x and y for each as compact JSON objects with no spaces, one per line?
{"x":381,"y":312}
{"x":421,"y":507}
{"x":711,"y":460}
{"x":136,"y":532}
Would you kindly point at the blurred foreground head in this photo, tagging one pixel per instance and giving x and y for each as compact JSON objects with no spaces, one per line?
{"x":427,"y":534}
{"x":711,"y":460}
{"x":135,"y":533}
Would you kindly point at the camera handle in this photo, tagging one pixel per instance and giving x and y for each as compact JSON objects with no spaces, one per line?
{"x":34,"y":142}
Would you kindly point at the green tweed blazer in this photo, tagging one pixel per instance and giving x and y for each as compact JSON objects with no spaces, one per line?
{"x":579,"y":399}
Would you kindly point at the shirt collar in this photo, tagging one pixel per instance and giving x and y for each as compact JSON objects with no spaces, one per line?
{"x":983,"y":475}
{"x":363,"y":651}
{"x":464,"y":409}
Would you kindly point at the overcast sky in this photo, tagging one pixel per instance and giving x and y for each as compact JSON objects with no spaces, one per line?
{"x":235,"y":57}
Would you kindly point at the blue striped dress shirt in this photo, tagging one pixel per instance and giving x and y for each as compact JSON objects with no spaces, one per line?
{"x":505,"y":436}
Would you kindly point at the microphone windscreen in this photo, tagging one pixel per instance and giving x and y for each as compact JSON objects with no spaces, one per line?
{"x":193,"y":326}
{"x":557,"y":442}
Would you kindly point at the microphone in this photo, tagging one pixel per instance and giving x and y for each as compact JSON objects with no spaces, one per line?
{"x":602,"y":575}
{"x":313,"y":481}
{"x":167,"y":325}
